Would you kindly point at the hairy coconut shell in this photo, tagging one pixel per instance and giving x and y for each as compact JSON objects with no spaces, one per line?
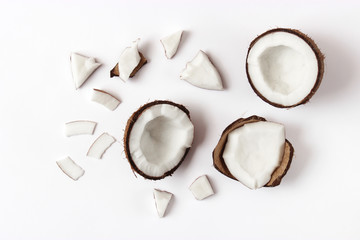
{"x":220,"y":165}
{"x":319,"y":56}
{"x":115,"y":71}
{"x":129,"y":126}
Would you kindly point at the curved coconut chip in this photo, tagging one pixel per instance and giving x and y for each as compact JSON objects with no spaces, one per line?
{"x":220,"y":165}
{"x":320,"y":61}
{"x":129,"y":126}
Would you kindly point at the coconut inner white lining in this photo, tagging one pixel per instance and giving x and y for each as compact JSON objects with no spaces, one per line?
{"x":159,"y":139}
{"x":282,"y":67}
{"x":254,"y":151}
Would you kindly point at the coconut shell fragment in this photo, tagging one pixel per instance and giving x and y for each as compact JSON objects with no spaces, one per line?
{"x":219,"y":162}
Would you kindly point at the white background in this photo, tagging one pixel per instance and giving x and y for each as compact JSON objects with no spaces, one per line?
{"x":319,"y":198}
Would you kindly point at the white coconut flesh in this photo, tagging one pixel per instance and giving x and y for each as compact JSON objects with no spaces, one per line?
{"x":283,"y":68}
{"x":79,"y":127}
{"x":70,"y":168}
{"x":82,"y":67}
{"x":201,"y":188}
{"x":254,"y":151}
{"x":171,"y":43}
{"x":201,"y":73}
{"x":128,"y":61}
{"x":159,"y":139}
{"x":162,"y":199}
{"x":105,"y":99}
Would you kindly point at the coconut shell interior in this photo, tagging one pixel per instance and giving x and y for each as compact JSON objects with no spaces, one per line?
{"x":115,"y":71}
{"x":319,"y":56}
{"x":129,"y":126}
{"x":220,"y":165}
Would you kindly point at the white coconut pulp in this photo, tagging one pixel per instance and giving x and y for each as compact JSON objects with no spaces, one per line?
{"x":171,"y":43}
{"x":254,"y":151}
{"x":200,"y":72}
{"x":105,"y":99}
{"x":201,"y":188}
{"x":128,"y":61}
{"x":82,"y":67}
{"x":70,"y":168}
{"x":79,"y":127}
{"x":159,"y":139}
{"x":283,"y":68}
{"x":162,"y":199}
{"x":100,"y":145}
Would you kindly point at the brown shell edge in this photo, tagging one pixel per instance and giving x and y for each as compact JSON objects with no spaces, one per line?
{"x":128,"y":128}
{"x":220,"y":165}
{"x":319,"y":56}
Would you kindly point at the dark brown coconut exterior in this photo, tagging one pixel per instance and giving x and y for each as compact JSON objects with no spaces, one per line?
{"x":319,"y":56}
{"x":115,"y":71}
{"x":220,"y":165}
{"x":129,"y":126}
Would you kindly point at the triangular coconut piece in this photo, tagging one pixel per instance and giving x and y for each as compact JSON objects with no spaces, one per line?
{"x":201,"y":73}
{"x":171,"y":43}
{"x":82,"y":67}
{"x":162,"y":199}
{"x":131,"y":60}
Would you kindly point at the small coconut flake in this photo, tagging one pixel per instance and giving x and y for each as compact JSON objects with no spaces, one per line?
{"x":79,"y":127}
{"x":131,"y":60}
{"x":101,"y":144}
{"x":162,"y":199}
{"x":106,"y":99}
{"x":201,"y":188}
{"x":171,"y":43}
{"x":70,"y":168}
{"x":82,"y":67}
{"x":201,"y":73}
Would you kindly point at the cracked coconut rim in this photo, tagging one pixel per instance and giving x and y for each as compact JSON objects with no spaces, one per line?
{"x":284,"y":67}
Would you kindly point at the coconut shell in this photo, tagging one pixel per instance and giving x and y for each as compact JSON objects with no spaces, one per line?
{"x":319,"y":56}
{"x":129,"y":126}
{"x":219,"y":162}
{"x":115,"y":71}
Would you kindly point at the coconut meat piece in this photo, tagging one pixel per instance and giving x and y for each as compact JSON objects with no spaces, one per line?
{"x":82,"y":67}
{"x":171,"y":43}
{"x":129,"y":60}
{"x":79,"y":127}
{"x":159,"y":139}
{"x":101,"y":144}
{"x":162,"y":199}
{"x":283,"y":68}
{"x":201,"y":73}
{"x":106,"y":99}
{"x":254,"y":151}
{"x":70,"y":168}
{"x":201,"y":188}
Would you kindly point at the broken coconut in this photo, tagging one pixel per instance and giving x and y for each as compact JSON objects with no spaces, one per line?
{"x":162,"y":199}
{"x":171,"y":43}
{"x":130,"y":62}
{"x":284,"y":67}
{"x":82,"y":67}
{"x":157,"y":138}
{"x":100,"y":145}
{"x":70,"y":168}
{"x":254,"y":152}
{"x":106,"y":99}
{"x":201,"y":73}
{"x":79,"y":127}
{"x":201,"y":188}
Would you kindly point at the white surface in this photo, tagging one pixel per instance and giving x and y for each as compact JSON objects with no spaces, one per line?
{"x":253,"y":152}
{"x":283,"y":68}
{"x":318,"y":198}
{"x":159,"y":138}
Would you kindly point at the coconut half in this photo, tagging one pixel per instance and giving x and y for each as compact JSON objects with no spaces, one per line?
{"x":254,"y":152}
{"x":157,"y":138}
{"x":284,"y":67}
